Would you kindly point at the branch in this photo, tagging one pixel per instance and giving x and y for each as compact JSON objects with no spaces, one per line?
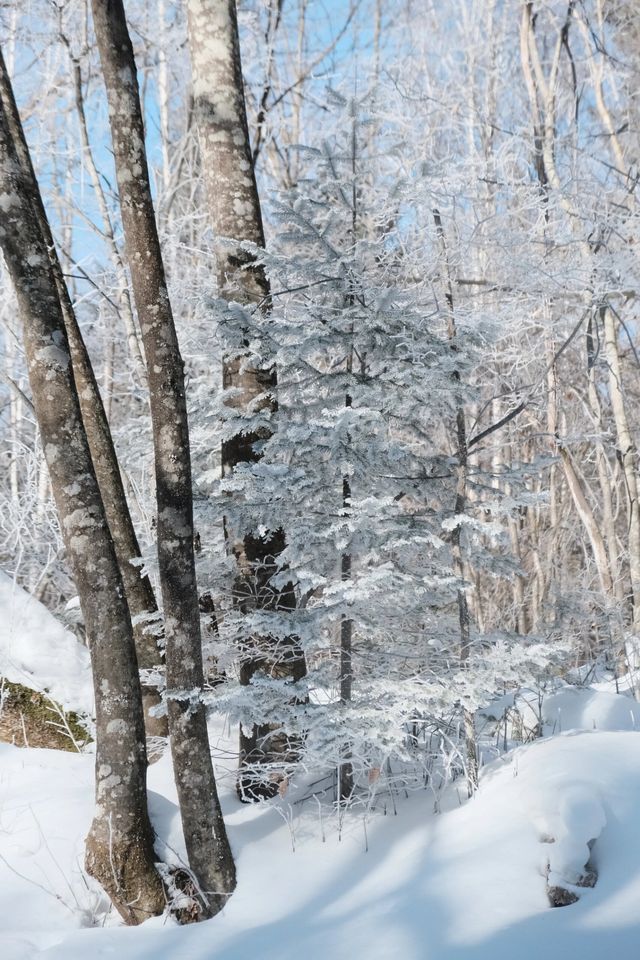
{"x":525,"y":403}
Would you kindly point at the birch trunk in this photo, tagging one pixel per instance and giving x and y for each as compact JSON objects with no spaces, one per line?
{"x":207,"y":845}
{"x":138,"y":590}
{"x":627,"y":454}
{"x":120,"y":842}
{"x":229,"y":176}
{"x":604,"y":480}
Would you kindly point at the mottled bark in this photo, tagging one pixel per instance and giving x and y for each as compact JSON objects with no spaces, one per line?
{"x":227,"y":166}
{"x":205,"y":837}
{"x":229,"y":175}
{"x":120,"y":842}
{"x":138,"y":589}
{"x":126,"y":305}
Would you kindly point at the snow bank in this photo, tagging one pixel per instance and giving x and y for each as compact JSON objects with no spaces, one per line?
{"x":583,"y":708}
{"x":37,"y":651}
{"x":568,"y":708}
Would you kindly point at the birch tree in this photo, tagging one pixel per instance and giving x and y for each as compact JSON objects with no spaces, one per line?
{"x":543,"y":88}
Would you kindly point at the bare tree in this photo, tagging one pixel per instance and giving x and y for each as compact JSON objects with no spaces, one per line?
{"x":205,"y":836}
{"x":120,"y":842}
{"x":543,"y":95}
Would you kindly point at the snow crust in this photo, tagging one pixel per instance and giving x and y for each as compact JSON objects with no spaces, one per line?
{"x":38,"y":652}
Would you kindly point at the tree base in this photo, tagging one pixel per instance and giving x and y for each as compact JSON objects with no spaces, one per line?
{"x":124,"y":866}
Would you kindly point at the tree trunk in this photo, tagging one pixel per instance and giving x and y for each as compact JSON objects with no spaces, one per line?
{"x":133,"y":343}
{"x":542,"y":95}
{"x":139,"y":592}
{"x":462,"y":466}
{"x":236,"y":217}
{"x":585,"y":512}
{"x":604,"y":480}
{"x":120,"y":842}
{"x":627,"y":454}
{"x":345,"y":770}
{"x":205,"y":836}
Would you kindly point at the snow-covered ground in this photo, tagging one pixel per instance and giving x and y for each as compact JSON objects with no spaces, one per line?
{"x":467,"y":884}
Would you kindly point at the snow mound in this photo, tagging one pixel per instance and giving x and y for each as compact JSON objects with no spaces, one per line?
{"x":567,"y":708}
{"x":583,"y":708}
{"x":37,"y":651}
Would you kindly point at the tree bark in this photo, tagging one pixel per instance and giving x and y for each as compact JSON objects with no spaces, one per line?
{"x":138,"y":590}
{"x":133,"y":342}
{"x":207,"y":845}
{"x":229,"y":175}
{"x":120,"y":842}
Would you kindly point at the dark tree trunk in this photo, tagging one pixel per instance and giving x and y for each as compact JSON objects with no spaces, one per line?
{"x":345,"y":770}
{"x":138,"y":589}
{"x":205,"y":836}
{"x":120,"y":842}
{"x":236,"y":218}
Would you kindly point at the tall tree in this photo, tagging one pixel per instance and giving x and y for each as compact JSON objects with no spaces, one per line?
{"x":208,"y":848}
{"x":236,"y":218}
{"x":120,"y":843}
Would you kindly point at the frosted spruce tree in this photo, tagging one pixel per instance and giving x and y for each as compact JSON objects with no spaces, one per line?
{"x":360,"y":465}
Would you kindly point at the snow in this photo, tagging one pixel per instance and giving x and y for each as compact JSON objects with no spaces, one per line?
{"x":468,"y":884}
{"x":571,"y":708}
{"x":37,"y":651}
{"x":574,"y":708}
